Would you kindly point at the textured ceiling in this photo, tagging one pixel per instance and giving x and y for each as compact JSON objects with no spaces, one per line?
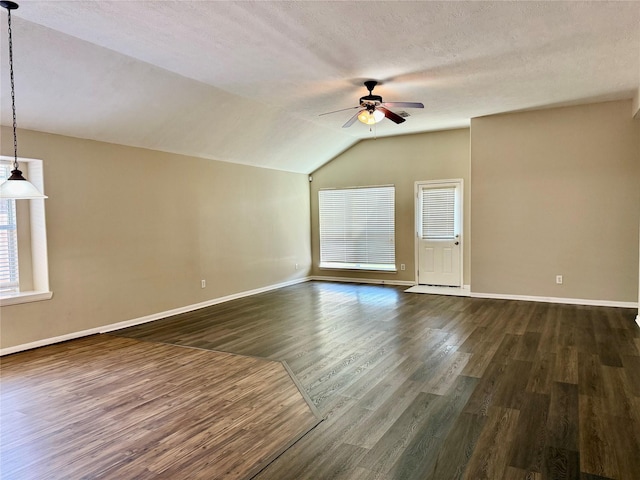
{"x":246,"y":81}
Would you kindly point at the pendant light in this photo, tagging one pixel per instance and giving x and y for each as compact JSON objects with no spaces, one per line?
{"x":16,"y":186}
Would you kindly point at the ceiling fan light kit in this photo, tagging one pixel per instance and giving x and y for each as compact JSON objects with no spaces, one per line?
{"x":373,"y":109}
{"x":370,"y":117}
{"x":16,"y":187}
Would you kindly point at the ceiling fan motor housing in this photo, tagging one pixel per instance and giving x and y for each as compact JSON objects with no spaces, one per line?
{"x":370,"y":100}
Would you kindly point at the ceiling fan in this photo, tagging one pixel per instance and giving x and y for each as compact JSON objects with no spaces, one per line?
{"x":373,"y":109}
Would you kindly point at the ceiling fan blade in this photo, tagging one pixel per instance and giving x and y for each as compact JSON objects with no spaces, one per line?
{"x":390,"y":115}
{"x":341,"y":110}
{"x":353,"y":119}
{"x":404,"y":104}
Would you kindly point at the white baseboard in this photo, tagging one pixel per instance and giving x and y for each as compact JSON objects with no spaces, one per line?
{"x":463,"y":291}
{"x":146,"y":318}
{"x":569,"y":301}
{"x":498,"y":296}
{"x":362,"y":280}
{"x":197,"y":306}
{"x":215,"y":301}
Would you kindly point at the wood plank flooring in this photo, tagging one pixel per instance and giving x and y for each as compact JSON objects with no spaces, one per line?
{"x":434,"y":387}
{"x":113,"y":407}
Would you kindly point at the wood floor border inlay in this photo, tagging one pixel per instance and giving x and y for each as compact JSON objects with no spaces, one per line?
{"x":115,"y":407}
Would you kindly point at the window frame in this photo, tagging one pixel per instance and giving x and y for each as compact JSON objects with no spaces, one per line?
{"x":32,"y":250}
{"x":12,"y":285}
{"x":444,"y":222}
{"x":353,"y":249}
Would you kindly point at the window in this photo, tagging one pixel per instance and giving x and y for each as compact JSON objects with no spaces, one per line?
{"x":438,"y":212}
{"x":24,"y":269}
{"x":9,"y":274}
{"x":357,"y":228}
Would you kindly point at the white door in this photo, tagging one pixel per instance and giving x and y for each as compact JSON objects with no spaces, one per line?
{"x":439,"y":233}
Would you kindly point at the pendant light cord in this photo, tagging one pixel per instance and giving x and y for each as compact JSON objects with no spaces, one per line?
{"x":13,"y":96}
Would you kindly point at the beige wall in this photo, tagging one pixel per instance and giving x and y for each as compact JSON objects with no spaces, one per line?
{"x":556,"y":192}
{"x":400,"y":161}
{"x":131,"y":232}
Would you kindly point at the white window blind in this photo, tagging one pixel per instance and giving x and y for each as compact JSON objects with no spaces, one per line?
{"x":357,"y":228}
{"x":438,"y":212}
{"x":9,"y":280}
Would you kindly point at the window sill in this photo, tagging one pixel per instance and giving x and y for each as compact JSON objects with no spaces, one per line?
{"x":24,"y":297}
{"x":359,"y":269}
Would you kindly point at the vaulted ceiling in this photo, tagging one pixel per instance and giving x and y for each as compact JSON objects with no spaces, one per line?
{"x":246,"y":82}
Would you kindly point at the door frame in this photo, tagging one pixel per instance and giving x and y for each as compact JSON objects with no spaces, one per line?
{"x":417,"y":221}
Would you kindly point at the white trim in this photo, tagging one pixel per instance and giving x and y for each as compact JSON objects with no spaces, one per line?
{"x":147,"y":318}
{"x":459,"y":183}
{"x":569,"y":301}
{"x":359,"y":268}
{"x":33,"y":168}
{"x":638,"y":319}
{"x":235,"y":296}
{"x":362,"y":280}
{"x":464,"y":291}
{"x":24,"y":297}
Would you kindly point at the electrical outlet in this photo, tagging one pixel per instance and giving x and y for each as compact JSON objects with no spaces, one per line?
{"x":402,"y":266}
{"x":559,"y":279}
{"x":203,"y":283}
{"x":297,"y":266}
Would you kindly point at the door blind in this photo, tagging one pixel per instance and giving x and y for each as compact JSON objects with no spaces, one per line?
{"x":438,"y":212}
{"x":357,"y":228}
{"x":9,"y":280}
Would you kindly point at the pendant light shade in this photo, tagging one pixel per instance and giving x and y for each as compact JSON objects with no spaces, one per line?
{"x":16,"y":186}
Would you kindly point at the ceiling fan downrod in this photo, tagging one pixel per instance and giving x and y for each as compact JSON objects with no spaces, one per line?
{"x":370,"y":85}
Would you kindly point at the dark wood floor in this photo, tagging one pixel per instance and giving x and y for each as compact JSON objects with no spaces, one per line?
{"x":119,"y":408}
{"x":433,"y":387}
